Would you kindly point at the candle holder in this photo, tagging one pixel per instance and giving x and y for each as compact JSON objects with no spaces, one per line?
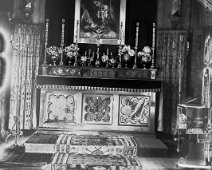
{"x":46,"y":39}
{"x":153,"y":46}
{"x":17,"y":46}
{"x":76,"y":54}
{"x":62,"y":41}
{"x":98,"y":39}
{"x":136,"y":45}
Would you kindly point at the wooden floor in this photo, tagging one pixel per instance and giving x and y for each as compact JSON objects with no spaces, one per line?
{"x":152,"y":154}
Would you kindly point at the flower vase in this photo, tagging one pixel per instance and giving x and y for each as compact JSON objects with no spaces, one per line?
{"x":120,"y":64}
{"x":75,"y":62}
{"x":98,"y":62}
{"x":54,"y":60}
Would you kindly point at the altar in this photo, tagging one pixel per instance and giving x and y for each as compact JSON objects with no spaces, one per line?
{"x":81,"y":101}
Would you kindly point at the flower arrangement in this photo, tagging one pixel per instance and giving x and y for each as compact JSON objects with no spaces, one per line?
{"x":145,"y":54}
{"x":127,"y":52}
{"x":71,"y":50}
{"x":54,"y":51}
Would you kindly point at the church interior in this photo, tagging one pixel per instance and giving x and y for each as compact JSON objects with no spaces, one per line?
{"x":105,"y":84}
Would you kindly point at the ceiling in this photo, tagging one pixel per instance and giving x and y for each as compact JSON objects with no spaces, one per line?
{"x":207,"y":4}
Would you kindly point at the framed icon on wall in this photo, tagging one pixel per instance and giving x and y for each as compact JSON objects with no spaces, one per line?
{"x":100,"y":20}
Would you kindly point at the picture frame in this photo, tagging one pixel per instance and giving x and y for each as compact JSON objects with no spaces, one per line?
{"x":100,"y":21}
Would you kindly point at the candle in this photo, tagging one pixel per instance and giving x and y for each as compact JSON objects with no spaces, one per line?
{"x":62,"y":33}
{"x":46,"y":32}
{"x":46,"y":38}
{"x":153,"y":45}
{"x":136,"y":45}
{"x":153,"y":35}
{"x":136,"y":36}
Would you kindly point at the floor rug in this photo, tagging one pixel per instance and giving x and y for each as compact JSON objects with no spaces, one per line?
{"x":62,"y":161}
{"x":80,"y":143}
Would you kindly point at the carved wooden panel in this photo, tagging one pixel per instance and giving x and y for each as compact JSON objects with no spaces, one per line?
{"x":60,"y":107}
{"x":97,"y":108}
{"x":134,"y":110}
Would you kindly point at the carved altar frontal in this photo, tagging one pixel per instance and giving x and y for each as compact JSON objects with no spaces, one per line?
{"x":97,"y":104}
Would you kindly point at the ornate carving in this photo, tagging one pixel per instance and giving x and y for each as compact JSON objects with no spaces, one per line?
{"x":134,"y":110}
{"x":97,"y":109}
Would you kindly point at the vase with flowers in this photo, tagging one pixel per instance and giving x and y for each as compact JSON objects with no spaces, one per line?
{"x":71,"y":52}
{"x":145,"y":56}
{"x":54,"y":53}
{"x":105,"y":59}
{"x":127,"y":53}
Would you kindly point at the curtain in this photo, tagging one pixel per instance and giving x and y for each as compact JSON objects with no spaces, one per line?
{"x":25,"y":65}
{"x":171,"y":49}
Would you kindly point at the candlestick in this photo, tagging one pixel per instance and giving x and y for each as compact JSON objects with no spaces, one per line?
{"x":76,"y":39}
{"x":153,"y":45}
{"x":62,"y":40}
{"x":120,"y":44}
{"x":136,"y":45}
{"x":46,"y":38}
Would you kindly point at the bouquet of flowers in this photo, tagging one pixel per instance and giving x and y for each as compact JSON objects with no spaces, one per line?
{"x":145,"y":54}
{"x":126,"y":51}
{"x":71,"y":50}
{"x":54,"y":51}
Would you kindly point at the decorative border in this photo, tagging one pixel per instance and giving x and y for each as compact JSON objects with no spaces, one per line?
{"x":92,"y":40}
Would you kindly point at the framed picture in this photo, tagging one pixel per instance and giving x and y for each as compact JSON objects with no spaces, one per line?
{"x":134,"y":110}
{"x":100,"y":21}
{"x":97,"y":109}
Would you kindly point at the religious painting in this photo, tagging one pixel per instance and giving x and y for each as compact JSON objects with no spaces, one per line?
{"x":100,"y":21}
{"x":134,"y":110}
{"x":97,"y":109}
{"x":60,"y":108}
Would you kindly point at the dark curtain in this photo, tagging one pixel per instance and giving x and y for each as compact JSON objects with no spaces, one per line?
{"x":171,"y":46}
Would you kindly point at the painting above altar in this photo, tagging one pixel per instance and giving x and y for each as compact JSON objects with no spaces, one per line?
{"x":100,"y":19}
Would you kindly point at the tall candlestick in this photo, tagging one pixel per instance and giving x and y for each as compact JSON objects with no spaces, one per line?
{"x":63,"y":31}
{"x":120,"y":46}
{"x":153,"y":45}
{"x":62,"y":40}
{"x":136,"y":45}
{"x":46,"y":38}
{"x":76,"y":40}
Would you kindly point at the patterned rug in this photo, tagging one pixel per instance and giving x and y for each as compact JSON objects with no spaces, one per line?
{"x":96,"y":144}
{"x":86,"y":151}
{"x":94,"y":162}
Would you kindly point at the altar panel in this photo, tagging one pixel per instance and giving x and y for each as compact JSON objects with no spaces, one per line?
{"x":98,"y":105}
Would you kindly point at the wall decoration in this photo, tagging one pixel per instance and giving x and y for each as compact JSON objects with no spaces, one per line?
{"x":97,"y":109}
{"x":60,"y":108}
{"x":100,"y":18}
{"x":134,"y":110}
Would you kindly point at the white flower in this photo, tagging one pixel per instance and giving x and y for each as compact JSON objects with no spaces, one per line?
{"x":54,"y":51}
{"x":105,"y":58}
{"x":131,"y":52}
{"x":83,"y":58}
{"x":147,"y":49}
